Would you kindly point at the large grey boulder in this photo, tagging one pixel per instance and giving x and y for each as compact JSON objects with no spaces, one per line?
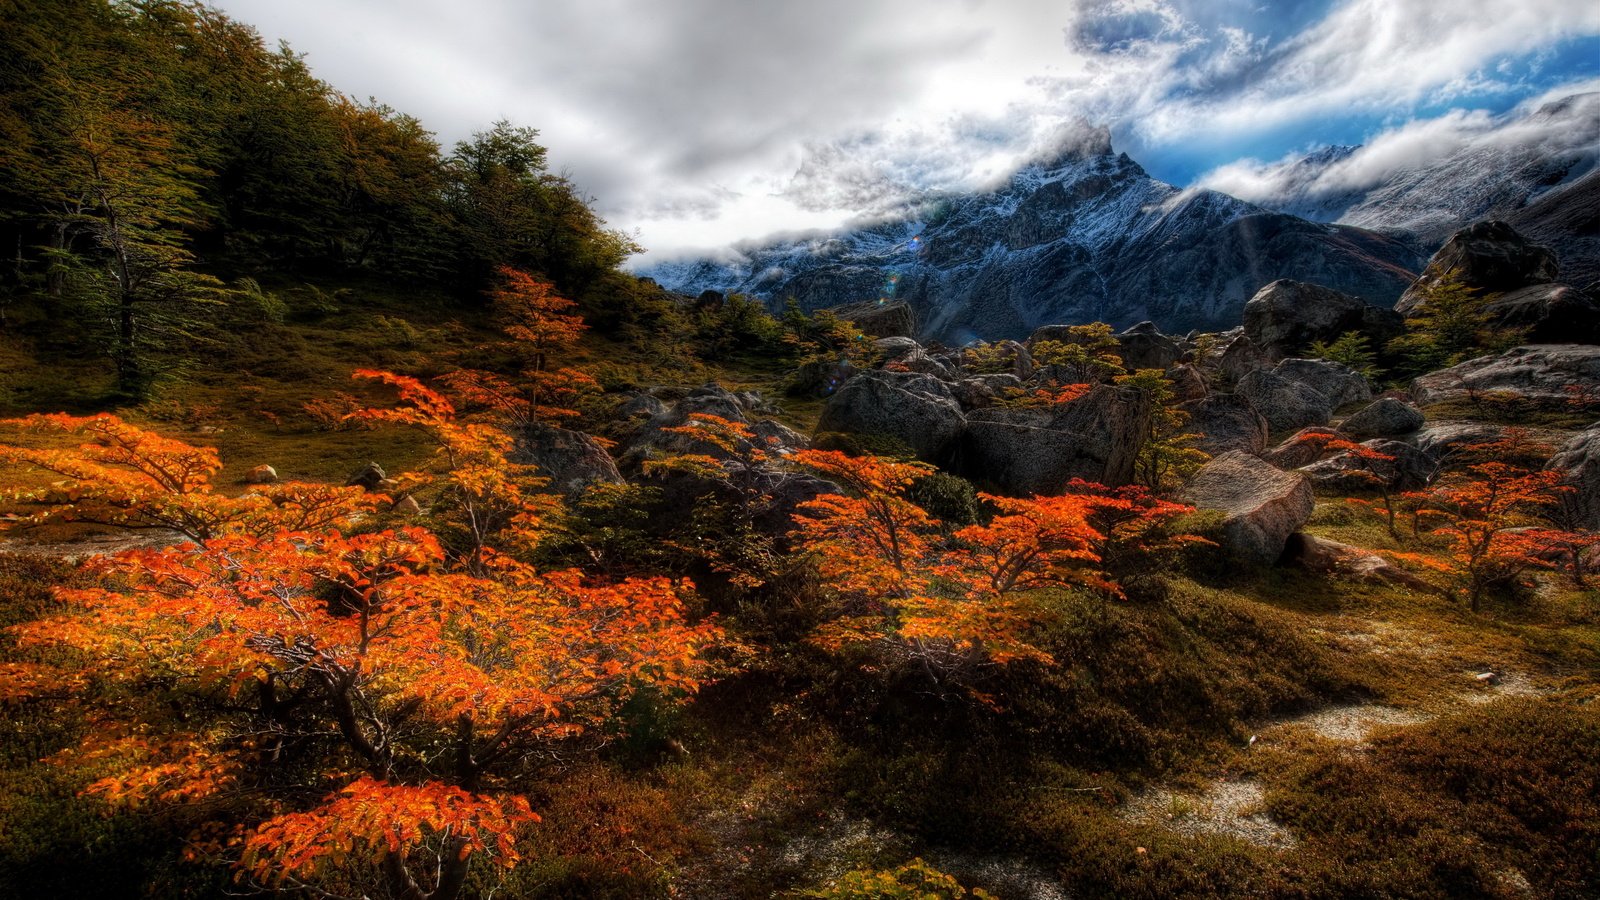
{"x":1038,"y":451}
{"x":879,"y":318}
{"x":1549,"y":312}
{"x":1188,"y":383}
{"x":1225,"y":422}
{"x":1580,"y":461}
{"x":1489,"y":257}
{"x":1442,"y":440}
{"x":1384,"y":417}
{"x":1286,"y":317}
{"x":1338,"y":382}
{"x":1261,"y":504}
{"x":917,"y":410}
{"x":1284,"y":402}
{"x":1538,"y":373}
{"x":1144,"y":347}
{"x":1237,"y":356}
{"x":571,"y":460}
{"x":896,"y":346}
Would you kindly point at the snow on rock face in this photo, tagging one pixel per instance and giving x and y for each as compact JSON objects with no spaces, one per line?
{"x":1089,"y":237}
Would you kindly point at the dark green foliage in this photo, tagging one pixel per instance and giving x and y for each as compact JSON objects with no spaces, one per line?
{"x":148,"y":148}
{"x":1452,"y":325}
{"x":948,"y":498}
{"x":1352,"y":349}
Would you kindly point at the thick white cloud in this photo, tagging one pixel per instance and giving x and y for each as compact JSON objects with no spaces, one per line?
{"x":1570,"y":133}
{"x":701,"y":122}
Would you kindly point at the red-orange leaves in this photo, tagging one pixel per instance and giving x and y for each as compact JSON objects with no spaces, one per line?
{"x":127,"y":476}
{"x":954,"y":603}
{"x":377,"y":821}
{"x":1031,"y":543}
{"x":872,"y":544}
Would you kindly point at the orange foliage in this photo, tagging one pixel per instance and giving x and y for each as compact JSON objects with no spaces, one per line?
{"x":495,"y":499}
{"x":1483,"y":514}
{"x":377,"y":660}
{"x":387,"y":824}
{"x":133,"y":478}
{"x":957,"y":604}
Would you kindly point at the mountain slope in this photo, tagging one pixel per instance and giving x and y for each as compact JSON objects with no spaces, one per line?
{"x":1088,"y":236}
{"x":1529,"y":168}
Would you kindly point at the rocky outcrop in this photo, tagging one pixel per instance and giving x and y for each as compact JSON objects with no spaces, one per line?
{"x":1188,"y":383}
{"x":1341,"y":384}
{"x":1038,"y":451}
{"x":917,"y":410}
{"x":1144,"y":347}
{"x":655,"y":436}
{"x":571,"y":460}
{"x":1549,"y":313}
{"x":1538,"y":374}
{"x":1286,"y":317}
{"x":1225,"y":422}
{"x":1488,"y":257}
{"x":1384,"y":417}
{"x":1238,"y":356}
{"x":1261,"y":504}
{"x":1579,"y":460}
{"x":879,"y":318}
{"x":1285,"y":403}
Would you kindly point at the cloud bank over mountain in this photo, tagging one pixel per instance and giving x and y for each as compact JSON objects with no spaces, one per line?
{"x":702,"y":122}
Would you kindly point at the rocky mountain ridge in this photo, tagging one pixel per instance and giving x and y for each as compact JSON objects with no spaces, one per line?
{"x":1088,"y":236}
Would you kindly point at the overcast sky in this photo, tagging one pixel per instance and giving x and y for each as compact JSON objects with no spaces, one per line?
{"x":697,"y":123}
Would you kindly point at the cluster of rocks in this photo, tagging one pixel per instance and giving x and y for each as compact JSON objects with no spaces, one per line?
{"x":922,"y":398}
{"x":1237,"y":391}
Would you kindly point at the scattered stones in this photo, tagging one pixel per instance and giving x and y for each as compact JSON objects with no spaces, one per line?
{"x":1262,"y":504}
{"x":407,"y":506}
{"x":262,"y":474}
{"x":368,"y":477}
